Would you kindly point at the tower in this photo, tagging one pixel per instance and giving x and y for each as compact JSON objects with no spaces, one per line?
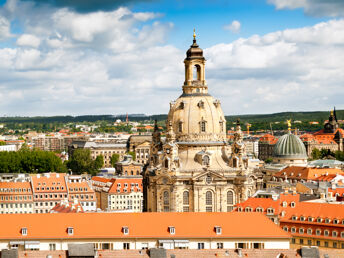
{"x":191,"y":171}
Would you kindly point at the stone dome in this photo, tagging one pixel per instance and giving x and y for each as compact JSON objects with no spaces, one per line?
{"x":290,"y":146}
{"x":197,"y":117}
{"x":194,"y":51}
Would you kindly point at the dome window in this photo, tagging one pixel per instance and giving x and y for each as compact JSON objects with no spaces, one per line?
{"x":182,"y":105}
{"x":201,"y":104}
{"x":206,"y":160}
{"x":216,"y":103}
{"x":203,"y":126}
{"x":180,"y":126}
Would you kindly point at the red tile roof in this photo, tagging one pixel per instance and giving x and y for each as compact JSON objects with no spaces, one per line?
{"x":140,"y":225}
{"x":128,"y":181}
{"x":305,"y":173}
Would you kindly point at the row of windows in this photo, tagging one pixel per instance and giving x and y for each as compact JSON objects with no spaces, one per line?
{"x":57,"y":188}
{"x":80,"y":189}
{"x":203,"y":125}
{"x":15,"y":190}
{"x":317,"y":232}
{"x":318,"y":243}
{"x":269,"y":211}
{"x":318,"y":220}
{"x":51,"y":196}
{"x":16,"y":205}
{"x":12,"y":198}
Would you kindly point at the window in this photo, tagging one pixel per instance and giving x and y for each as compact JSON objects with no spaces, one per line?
{"x":302,"y":218}
{"x":326,"y":244}
{"x":180,"y":127}
{"x":301,"y":241}
{"x":335,"y":221}
{"x":284,"y":204}
{"x":285,"y":229}
{"x":309,"y":242}
{"x":70,"y":231}
{"x":205,"y":160}
{"x":200,"y":246}
{"x":293,"y":230}
{"x":310,"y":219}
{"x":218,"y":230}
{"x":185,"y":201}
{"x":319,"y":220}
{"x":301,"y":230}
{"x":52,"y":247}
{"x":318,"y":243}
{"x":24,"y":231}
{"x":293,"y":218}
{"x":209,"y":201}
{"x":342,"y":234}
{"x":334,"y":233}
{"x":318,"y":232}
{"x":166,"y":201}
{"x":292,"y":204}
{"x":334,"y":244}
{"x":270,"y":211}
{"x":219,"y":245}
{"x":172,"y":230}
{"x":126,"y":246}
{"x":309,"y":231}
{"x":326,"y":233}
{"x":230,"y":198}
{"x":327,"y":220}
{"x":203,"y":126}
{"x":144,"y":246}
{"x":125,"y":230}
{"x":105,"y":246}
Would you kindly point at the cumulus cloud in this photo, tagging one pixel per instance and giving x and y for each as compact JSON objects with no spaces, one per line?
{"x":292,"y":69}
{"x":4,"y":28}
{"x":27,"y":40}
{"x":233,"y":27}
{"x":313,"y":7}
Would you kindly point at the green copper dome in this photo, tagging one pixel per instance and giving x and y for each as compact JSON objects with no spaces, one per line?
{"x":290,"y":146}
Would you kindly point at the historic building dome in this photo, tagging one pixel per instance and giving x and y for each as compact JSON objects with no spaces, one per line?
{"x":195,"y":169}
{"x":289,"y":149}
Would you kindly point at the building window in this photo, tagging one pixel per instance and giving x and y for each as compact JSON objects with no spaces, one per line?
{"x":219,"y":245}
{"x":318,"y":243}
{"x":200,"y":246}
{"x":166,"y":163}
{"x":318,"y":232}
{"x":319,"y":220}
{"x":326,"y":233}
{"x":166,"y":201}
{"x":309,"y":231}
{"x":292,"y":204}
{"x":125,"y":230}
{"x":301,"y":230}
{"x":334,"y":233}
{"x":24,"y":231}
{"x":285,"y":229}
{"x":326,"y":244}
{"x":180,"y":127}
{"x":185,"y":201}
{"x":293,"y":230}
{"x":70,"y":231}
{"x":218,"y":230}
{"x":205,"y":160}
{"x":301,"y":241}
{"x":203,"y":126}
{"x":209,"y":201}
{"x":52,"y":247}
{"x":126,"y":246}
{"x":172,"y":230}
{"x":334,"y":244}
{"x":342,"y":234}
{"x":230,"y":198}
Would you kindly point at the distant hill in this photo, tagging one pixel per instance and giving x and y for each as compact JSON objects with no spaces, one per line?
{"x":258,"y":121}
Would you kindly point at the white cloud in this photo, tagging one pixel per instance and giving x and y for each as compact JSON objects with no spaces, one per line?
{"x":312,"y":7}
{"x":4,"y":28}
{"x":233,"y":27}
{"x":27,"y":40}
{"x":284,"y":70}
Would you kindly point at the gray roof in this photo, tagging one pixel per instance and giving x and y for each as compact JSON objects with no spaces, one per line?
{"x":290,"y":146}
{"x":326,"y":163}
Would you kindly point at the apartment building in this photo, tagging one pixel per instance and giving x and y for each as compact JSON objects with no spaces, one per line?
{"x":121,"y":193}
{"x":125,"y":231}
{"x":82,"y":192}
{"x":48,"y":190}
{"x":16,"y":197}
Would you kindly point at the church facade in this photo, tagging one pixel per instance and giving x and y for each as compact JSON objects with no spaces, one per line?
{"x":195,"y":169}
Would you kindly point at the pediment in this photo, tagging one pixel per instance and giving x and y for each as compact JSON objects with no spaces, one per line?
{"x":205,"y":174}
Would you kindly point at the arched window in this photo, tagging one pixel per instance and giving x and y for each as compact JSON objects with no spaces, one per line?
{"x":186,"y":201}
{"x":209,"y":201}
{"x":180,"y":127}
{"x":196,"y":73}
{"x":166,"y":163}
{"x":166,"y":201}
{"x":230,"y":200}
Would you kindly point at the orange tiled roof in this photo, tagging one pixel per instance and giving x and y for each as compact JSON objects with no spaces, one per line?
{"x":327,"y":178}
{"x":268,"y":138}
{"x":128,"y":181}
{"x":79,"y":187}
{"x":53,"y":182}
{"x":101,"y":179}
{"x":71,"y":207}
{"x":305,"y":173}
{"x":12,"y":188}
{"x":339,"y":191}
{"x":140,"y":225}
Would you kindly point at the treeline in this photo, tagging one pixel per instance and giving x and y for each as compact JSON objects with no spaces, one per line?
{"x":30,"y":161}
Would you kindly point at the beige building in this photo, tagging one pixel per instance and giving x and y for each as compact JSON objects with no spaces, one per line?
{"x":16,"y":197}
{"x":192,"y":170}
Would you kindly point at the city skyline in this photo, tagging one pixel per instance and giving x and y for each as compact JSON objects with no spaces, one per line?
{"x":67,"y":58}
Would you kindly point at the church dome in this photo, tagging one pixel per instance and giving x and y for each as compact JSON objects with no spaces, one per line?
{"x":195,"y":115}
{"x":290,"y":146}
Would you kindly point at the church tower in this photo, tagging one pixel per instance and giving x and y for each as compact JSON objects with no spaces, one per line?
{"x":190,"y":170}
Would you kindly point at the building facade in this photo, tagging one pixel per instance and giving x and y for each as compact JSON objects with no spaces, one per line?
{"x":192,"y":170}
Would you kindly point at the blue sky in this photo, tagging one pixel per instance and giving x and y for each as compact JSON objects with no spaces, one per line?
{"x":66,"y":57}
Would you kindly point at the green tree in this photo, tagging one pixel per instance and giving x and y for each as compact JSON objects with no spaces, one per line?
{"x":268,"y":160}
{"x":339,"y":155}
{"x":132,"y":153}
{"x":99,"y":162}
{"x":114,"y":159}
{"x":81,"y":161}
{"x":316,"y":154}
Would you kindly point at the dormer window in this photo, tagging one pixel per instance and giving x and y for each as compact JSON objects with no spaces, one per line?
{"x":310,"y":219}
{"x":335,"y":221}
{"x":284,"y":204}
{"x":319,"y":220}
{"x":70,"y":231}
{"x":292,"y":204}
{"x":172,"y":230}
{"x":270,"y":211}
{"x":24,"y":231}
{"x":218,"y":230}
{"x":293,"y":218}
{"x":327,"y":220}
{"x":302,"y":218}
{"x":125,"y":230}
